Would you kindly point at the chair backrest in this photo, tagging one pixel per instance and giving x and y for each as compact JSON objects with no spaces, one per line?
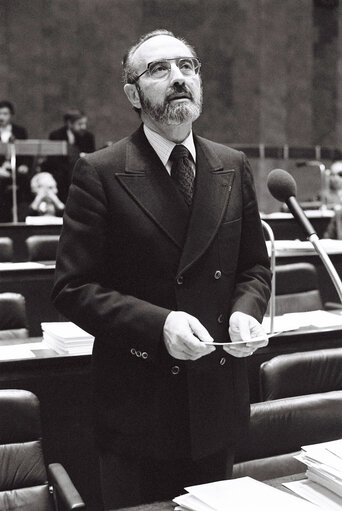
{"x":6,"y":250}
{"x":297,"y":288}
{"x":42,"y":247}
{"x":13,"y":321}
{"x":279,"y":428}
{"x":23,"y":480}
{"x":297,"y":374}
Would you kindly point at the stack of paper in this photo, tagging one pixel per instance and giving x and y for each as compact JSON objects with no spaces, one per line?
{"x":295,"y":320}
{"x":241,"y":494}
{"x":67,"y":338}
{"x":324,"y":472}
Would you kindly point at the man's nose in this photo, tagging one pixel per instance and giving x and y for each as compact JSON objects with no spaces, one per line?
{"x":176,"y":75}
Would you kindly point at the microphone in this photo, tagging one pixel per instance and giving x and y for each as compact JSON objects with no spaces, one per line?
{"x":283,"y":187}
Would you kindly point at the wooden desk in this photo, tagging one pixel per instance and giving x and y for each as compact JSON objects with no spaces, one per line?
{"x":285,"y":227}
{"x":169,"y":506}
{"x":20,"y":232}
{"x":62,"y":384}
{"x":34,"y":282}
{"x":290,"y":251}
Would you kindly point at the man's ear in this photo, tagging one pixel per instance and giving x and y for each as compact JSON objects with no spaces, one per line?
{"x":132,"y":94}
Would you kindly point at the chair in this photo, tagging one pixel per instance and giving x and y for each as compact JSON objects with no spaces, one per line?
{"x":297,"y":288}
{"x":13,"y":322}
{"x":42,"y":247}
{"x":297,"y":374}
{"x":279,"y":428}
{"x":24,"y":483}
{"x":6,"y":250}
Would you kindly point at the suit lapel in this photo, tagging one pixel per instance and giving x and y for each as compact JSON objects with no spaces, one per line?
{"x":149,"y":184}
{"x":212,"y":190}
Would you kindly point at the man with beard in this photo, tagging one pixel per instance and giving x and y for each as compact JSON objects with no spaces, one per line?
{"x":161,"y":254}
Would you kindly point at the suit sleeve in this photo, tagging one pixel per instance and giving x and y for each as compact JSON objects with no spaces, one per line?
{"x":80,"y":290}
{"x":252,"y":290}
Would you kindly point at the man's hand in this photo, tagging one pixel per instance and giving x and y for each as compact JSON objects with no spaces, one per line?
{"x":241,"y":328}
{"x":183,"y":334}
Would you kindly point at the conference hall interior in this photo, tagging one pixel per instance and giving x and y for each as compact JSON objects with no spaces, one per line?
{"x":170,"y":255}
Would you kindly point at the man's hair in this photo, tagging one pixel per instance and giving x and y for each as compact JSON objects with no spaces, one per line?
{"x":7,"y":104}
{"x":129,"y":73}
{"x":73,"y":115}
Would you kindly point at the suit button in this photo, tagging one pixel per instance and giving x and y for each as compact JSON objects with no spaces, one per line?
{"x":144,"y":355}
{"x":220,"y":319}
{"x":138,"y":354}
{"x":133,"y":352}
{"x":223,"y":361}
{"x":217,"y":274}
{"x":175,"y":369}
{"x":180,"y":280}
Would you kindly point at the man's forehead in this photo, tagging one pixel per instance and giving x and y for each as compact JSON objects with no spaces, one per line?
{"x":162,"y":46}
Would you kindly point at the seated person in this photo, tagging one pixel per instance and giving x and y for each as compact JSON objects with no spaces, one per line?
{"x":9,"y":132}
{"x":334,"y":194}
{"x":80,"y":141}
{"x":46,"y":201}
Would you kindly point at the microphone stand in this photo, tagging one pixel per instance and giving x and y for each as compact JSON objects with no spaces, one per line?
{"x":270,"y":234}
{"x":316,"y":242}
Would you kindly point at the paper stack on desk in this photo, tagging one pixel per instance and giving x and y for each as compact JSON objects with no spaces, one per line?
{"x":241,"y":494}
{"x":67,"y":338}
{"x":324,"y":472}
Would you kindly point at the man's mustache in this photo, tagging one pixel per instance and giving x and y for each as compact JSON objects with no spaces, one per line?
{"x":178,"y":91}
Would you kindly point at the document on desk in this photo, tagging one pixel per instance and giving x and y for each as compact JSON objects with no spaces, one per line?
{"x":316,"y":494}
{"x":240,"y":495}
{"x":295,"y":320}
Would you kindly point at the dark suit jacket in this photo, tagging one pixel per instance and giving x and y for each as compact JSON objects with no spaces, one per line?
{"x":61,"y":166}
{"x":84,"y":142}
{"x":128,"y":255}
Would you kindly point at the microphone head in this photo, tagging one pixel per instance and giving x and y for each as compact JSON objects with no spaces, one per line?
{"x":281,"y":185}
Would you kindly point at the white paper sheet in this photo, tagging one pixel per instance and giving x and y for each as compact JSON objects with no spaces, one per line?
{"x":245,"y":494}
{"x":20,"y":351}
{"x":316,"y":494}
{"x":295,"y":320}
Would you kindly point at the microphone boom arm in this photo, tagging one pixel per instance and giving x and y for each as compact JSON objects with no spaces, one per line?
{"x":316,"y":242}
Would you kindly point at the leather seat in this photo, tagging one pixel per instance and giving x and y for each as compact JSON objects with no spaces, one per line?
{"x":279,"y":428}
{"x":6,"y":250}
{"x":297,"y":288}
{"x":42,"y":247}
{"x":13,"y":323}
{"x":301,"y":373}
{"x":24,"y":483}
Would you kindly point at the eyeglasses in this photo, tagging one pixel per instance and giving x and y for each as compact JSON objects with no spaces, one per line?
{"x":159,"y":69}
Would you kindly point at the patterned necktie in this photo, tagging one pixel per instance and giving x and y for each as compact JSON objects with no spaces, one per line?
{"x":182,"y":172}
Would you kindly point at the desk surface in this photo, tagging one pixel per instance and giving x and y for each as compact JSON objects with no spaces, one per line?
{"x":169,"y":506}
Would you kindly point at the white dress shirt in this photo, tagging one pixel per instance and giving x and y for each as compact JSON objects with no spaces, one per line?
{"x":6,"y":133}
{"x":163,"y":147}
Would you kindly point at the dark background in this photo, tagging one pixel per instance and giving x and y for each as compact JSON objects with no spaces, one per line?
{"x":272,"y":69}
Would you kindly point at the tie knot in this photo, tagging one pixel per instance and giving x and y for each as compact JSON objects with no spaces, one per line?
{"x":178,"y":152}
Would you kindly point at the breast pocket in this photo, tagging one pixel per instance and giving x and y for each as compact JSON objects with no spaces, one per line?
{"x":229,"y":235}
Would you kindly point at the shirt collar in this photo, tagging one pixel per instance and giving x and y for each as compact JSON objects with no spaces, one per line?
{"x":163,"y":147}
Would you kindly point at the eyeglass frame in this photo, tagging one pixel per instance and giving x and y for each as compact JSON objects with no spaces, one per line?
{"x":177,"y":59}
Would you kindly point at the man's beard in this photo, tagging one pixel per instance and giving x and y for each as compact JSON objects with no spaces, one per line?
{"x":170,"y":112}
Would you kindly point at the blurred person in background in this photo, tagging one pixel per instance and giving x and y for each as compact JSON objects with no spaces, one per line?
{"x":46,"y":201}
{"x":80,"y":142}
{"x":334,"y":200}
{"x":9,"y":132}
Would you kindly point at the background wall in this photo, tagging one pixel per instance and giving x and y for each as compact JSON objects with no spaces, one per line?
{"x":271,"y":68}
